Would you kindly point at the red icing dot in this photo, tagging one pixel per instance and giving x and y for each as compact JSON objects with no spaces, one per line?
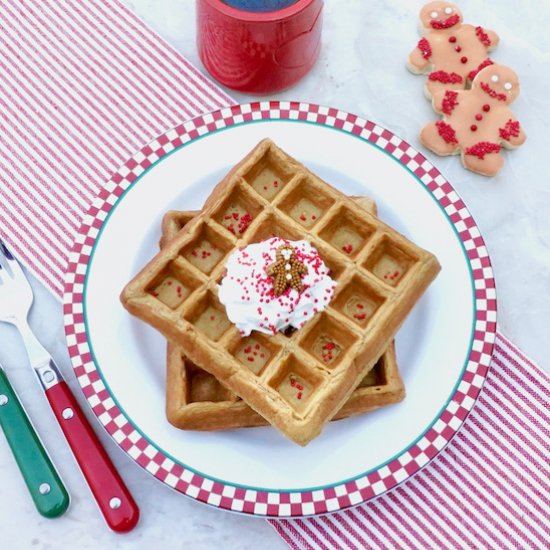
{"x":452,"y":39}
{"x":479,"y":117}
{"x":473,"y":127}
{"x":459,"y":49}
{"x":486,"y":108}
{"x":464,"y":59}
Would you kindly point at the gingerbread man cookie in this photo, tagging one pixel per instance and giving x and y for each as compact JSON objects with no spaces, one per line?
{"x":451,"y":53}
{"x":286,"y":271}
{"x":477,"y":123}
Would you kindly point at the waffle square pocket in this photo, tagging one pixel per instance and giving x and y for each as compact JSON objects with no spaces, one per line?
{"x":327,"y":370}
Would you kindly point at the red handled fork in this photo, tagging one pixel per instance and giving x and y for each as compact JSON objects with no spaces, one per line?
{"x":111,"y":494}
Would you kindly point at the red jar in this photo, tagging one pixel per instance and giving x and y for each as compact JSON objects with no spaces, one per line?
{"x":259,"y":52}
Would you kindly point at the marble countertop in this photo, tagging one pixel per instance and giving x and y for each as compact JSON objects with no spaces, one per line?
{"x":362,"y":70}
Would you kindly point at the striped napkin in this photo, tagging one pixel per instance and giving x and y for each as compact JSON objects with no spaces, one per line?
{"x":83,"y":85}
{"x":488,"y":488}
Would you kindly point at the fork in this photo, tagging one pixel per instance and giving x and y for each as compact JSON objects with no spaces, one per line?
{"x":111,"y":494}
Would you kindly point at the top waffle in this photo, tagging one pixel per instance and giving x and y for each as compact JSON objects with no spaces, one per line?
{"x":293,"y":382}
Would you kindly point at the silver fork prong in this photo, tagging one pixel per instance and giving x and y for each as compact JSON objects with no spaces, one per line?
{"x":1,"y":275}
{"x":13,"y":264}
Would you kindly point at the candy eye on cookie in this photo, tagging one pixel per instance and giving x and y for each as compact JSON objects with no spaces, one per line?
{"x":440,"y":15}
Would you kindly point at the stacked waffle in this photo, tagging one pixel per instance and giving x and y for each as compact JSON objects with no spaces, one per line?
{"x":339,"y":362}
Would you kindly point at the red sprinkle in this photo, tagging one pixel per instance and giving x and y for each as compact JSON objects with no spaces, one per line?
{"x":360,"y":316}
{"x":458,"y":49}
{"x":425,"y":48}
{"x":446,"y":132}
{"x":347,"y":248}
{"x":479,"y":117}
{"x":299,"y":396}
{"x":452,"y":39}
{"x":473,"y":127}
{"x":250,"y":358}
{"x":445,"y":78}
{"x":464,"y":59}
{"x":486,"y":108}
{"x":488,"y":90}
{"x":449,"y":102}
{"x":483,"y":36}
{"x":473,"y":74}
{"x":360,"y":306}
{"x":482,"y":148}
{"x":446,"y":23}
{"x":510,"y":130}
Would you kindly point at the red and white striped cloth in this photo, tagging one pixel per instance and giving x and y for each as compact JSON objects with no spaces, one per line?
{"x":83,"y":85}
{"x":488,"y":488}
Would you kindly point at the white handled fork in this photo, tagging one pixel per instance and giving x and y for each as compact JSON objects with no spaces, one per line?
{"x":111,"y":494}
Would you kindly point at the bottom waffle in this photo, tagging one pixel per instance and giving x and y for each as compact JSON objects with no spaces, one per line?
{"x":196,"y":400}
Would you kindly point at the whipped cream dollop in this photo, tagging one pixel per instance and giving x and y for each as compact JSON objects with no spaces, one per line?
{"x":248,"y":293}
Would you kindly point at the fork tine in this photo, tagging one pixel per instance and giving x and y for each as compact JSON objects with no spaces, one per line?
{"x":11,"y":261}
{"x":1,"y":275}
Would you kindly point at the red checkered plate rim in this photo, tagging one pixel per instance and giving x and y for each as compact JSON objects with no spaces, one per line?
{"x":256,"y":501}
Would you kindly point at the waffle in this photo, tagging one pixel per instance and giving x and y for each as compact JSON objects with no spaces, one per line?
{"x":374,"y":266}
{"x":196,"y":400}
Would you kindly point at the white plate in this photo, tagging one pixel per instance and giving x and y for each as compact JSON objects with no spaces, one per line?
{"x":120,"y":361}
